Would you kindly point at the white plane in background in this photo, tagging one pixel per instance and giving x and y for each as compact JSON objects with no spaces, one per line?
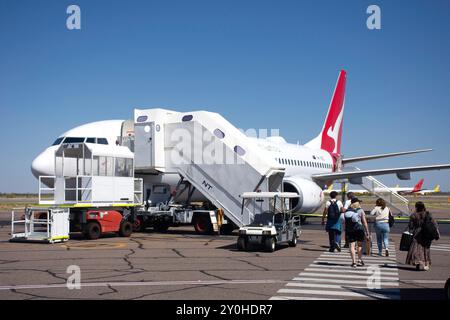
{"x":436,"y":189}
{"x":308,"y":168}
{"x":397,"y":189}
{"x":400,"y":190}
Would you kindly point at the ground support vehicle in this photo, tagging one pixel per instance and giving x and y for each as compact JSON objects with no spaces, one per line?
{"x":273,"y":224}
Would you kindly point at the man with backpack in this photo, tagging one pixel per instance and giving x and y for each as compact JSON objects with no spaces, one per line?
{"x":332,"y":212}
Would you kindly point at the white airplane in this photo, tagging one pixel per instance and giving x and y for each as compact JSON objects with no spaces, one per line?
{"x":308,"y":167}
{"x":436,"y":189}
{"x":400,"y":190}
{"x":397,"y":189}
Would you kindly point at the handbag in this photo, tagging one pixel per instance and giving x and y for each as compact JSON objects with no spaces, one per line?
{"x":391,"y":219}
{"x":406,"y":240}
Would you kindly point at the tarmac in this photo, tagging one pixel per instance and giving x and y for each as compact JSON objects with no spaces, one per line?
{"x":182,"y":265}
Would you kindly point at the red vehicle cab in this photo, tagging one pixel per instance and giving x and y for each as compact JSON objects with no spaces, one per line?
{"x":99,"y":222}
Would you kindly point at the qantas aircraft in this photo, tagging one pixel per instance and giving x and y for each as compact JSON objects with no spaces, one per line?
{"x":308,"y":168}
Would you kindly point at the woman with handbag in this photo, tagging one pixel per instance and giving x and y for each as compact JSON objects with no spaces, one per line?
{"x":424,"y":230}
{"x":382,"y":214}
{"x":356,"y":230}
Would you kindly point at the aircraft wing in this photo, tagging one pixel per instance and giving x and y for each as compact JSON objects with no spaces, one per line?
{"x":384,"y":155}
{"x":355,"y":177}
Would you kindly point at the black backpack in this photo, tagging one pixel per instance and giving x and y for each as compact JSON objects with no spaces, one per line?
{"x":333,"y":211}
{"x":429,"y":230}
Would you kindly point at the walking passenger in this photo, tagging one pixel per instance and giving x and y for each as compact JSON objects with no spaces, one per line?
{"x":347,"y":204}
{"x":356,"y":229}
{"x":424,"y":229}
{"x":381,"y":213}
{"x":333,"y":211}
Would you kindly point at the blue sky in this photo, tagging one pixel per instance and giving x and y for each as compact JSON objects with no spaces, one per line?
{"x":261,"y":64}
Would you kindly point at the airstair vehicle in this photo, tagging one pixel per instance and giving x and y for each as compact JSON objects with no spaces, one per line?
{"x":196,"y":145}
{"x":94,"y":191}
{"x":398,"y":203}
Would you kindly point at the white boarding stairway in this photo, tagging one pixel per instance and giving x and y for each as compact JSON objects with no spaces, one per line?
{"x":220,"y":161}
{"x":398,"y":204}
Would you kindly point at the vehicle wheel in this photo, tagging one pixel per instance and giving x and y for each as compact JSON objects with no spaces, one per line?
{"x":202,"y":225}
{"x":241,"y":244}
{"x":269,"y":244}
{"x":293,"y":242}
{"x":447,"y":289}
{"x":139,"y":224}
{"x":126,"y":228}
{"x":161,"y":227}
{"x":92,"y":230}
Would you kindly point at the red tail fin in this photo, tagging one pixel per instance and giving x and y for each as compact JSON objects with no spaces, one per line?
{"x":330,"y":137}
{"x":418,"y":186}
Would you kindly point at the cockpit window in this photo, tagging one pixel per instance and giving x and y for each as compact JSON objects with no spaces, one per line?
{"x":91,"y":140}
{"x":58,"y":141}
{"x":73,"y":140}
{"x":102,"y":141}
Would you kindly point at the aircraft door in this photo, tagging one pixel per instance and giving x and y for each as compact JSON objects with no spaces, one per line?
{"x":143,"y":145}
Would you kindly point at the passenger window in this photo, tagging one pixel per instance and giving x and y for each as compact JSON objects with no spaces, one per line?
{"x":102,"y":141}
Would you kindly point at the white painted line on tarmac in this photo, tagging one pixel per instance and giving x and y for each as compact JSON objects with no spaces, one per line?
{"x":424,"y":281}
{"x":346,"y":276}
{"x":347,"y":267}
{"x":366,"y":261}
{"x":362,"y":294}
{"x":139,"y":283}
{"x":367,"y":271}
{"x":444,"y":245}
{"x":440,"y":249}
{"x":382,"y":283}
{"x":328,"y":286}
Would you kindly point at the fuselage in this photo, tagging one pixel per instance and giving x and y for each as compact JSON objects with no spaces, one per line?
{"x":300,"y":162}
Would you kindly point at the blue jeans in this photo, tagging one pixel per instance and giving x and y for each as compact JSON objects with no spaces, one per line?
{"x":334,"y":237}
{"x":382,"y":231}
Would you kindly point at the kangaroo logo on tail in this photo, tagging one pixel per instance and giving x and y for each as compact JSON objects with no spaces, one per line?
{"x":329,"y":138}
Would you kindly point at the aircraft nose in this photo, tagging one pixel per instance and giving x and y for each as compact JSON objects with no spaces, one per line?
{"x":43,"y":164}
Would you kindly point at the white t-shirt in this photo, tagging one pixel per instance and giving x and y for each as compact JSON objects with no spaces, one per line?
{"x":339,"y":204}
{"x":380,"y":214}
{"x":347,"y":204}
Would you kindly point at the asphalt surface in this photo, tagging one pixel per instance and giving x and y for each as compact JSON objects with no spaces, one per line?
{"x":183,"y":265}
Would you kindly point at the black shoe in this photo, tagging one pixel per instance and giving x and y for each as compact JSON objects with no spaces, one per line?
{"x":354,"y":265}
{"x":331,"y":250}
{"x":338,"y":247}
{"x":360,"y":263}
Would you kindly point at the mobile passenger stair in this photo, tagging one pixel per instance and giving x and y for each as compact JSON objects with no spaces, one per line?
{"x":399,"y":205}
{"x":216,"y":158}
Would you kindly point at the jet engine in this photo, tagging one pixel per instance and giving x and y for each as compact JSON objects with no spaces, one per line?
{"x":311,"y":195}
